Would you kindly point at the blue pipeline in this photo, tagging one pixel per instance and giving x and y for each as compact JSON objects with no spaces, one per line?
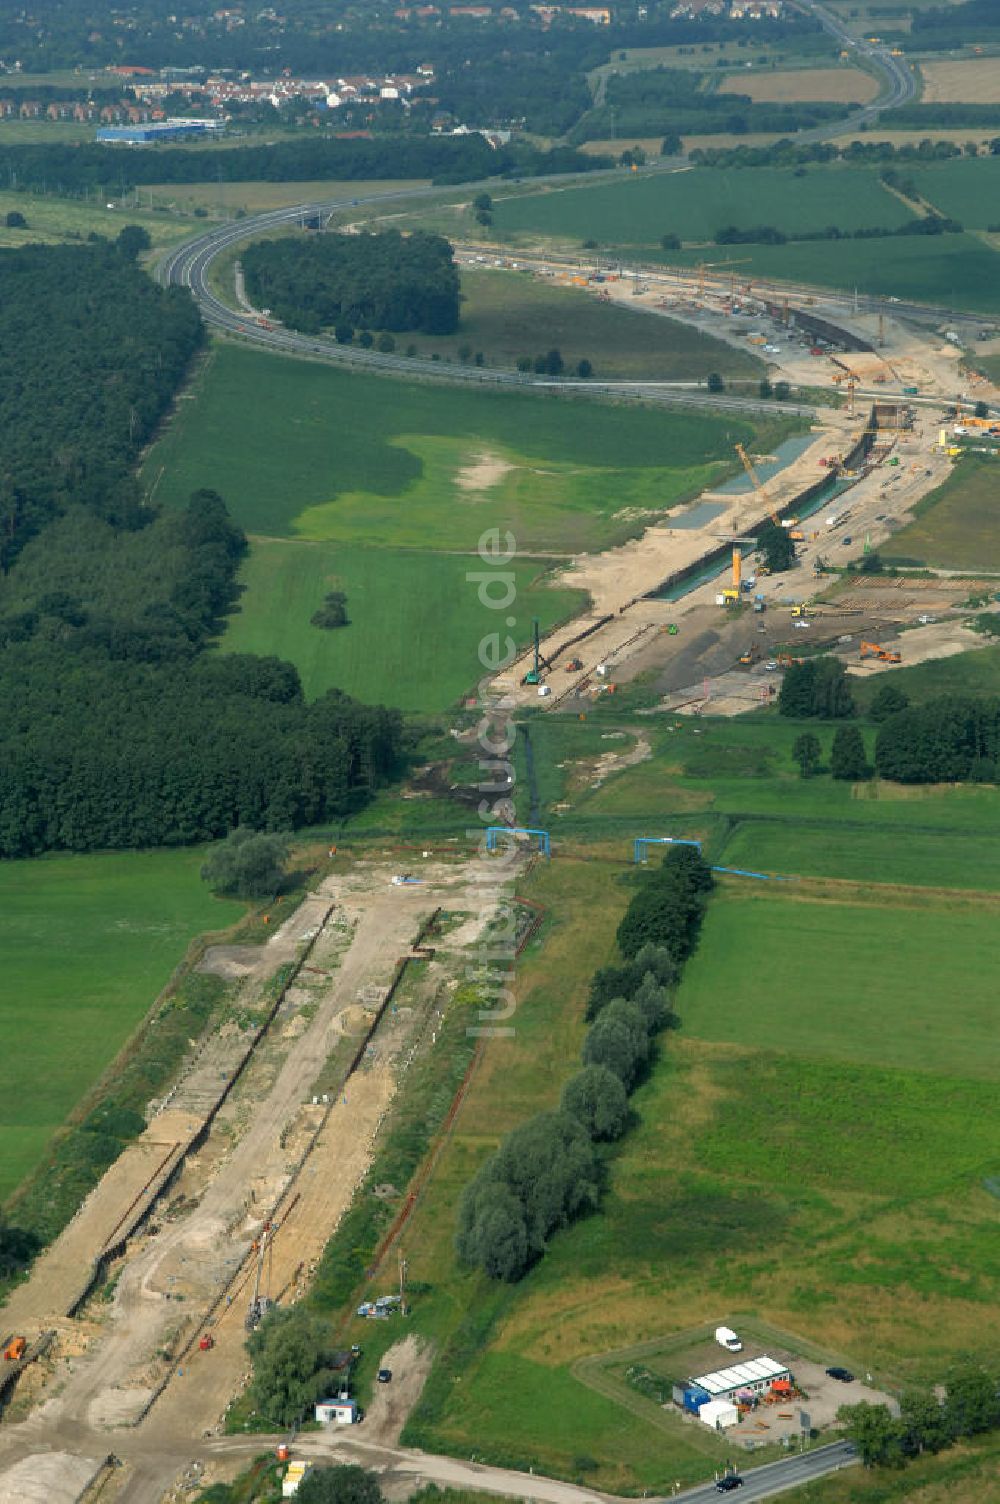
{"x":766,"y":877}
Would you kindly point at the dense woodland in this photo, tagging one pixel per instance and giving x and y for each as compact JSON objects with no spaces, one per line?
{"x":954,"y":739}
{"x":91,"y":353}
{"x":117,"y":727}
{"x":378,"y":281}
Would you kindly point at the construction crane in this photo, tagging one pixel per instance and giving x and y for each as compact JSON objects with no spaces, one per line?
{"x":260,"y":1304}
{"x":758,"y":485}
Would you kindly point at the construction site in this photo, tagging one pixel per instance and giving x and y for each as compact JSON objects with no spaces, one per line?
{"x":126,"y":1345}
{"x":691,"y":603}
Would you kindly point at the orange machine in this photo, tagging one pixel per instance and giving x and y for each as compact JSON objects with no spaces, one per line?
{"x":15,"y":1350}
{"x":884,"y":655}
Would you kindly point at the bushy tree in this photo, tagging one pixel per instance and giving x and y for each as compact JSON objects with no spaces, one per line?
{"x":973,"y":1400}
{"x":609,"y":982}
{"x":132,"y":240}
{"x":888,"y":700}
{"x":848,"y":761}
{"x":876,"y":1434}
{"x":248,"y":863}
{"x":597,"y":1098}
{"x":293,"y":1355}
{"x":15,"y":220}
{"x":667,"y":911}
{"x":817,"y":687}
{"x":491,"y":1228}
{"x":618,"y":1039}
{"x":332,"y":613}
{"x":776,"y":546}
{"x":806,"y":752}
{"x":927,"y":1425}
{"x":345,"y":1483}
{"x":715,"y":382}
{"x":653,"y":1002}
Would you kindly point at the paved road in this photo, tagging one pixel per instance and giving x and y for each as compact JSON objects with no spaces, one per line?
{"x":897,"y":75}
{"x":453,"y":1472}
{"x":189,"y":265}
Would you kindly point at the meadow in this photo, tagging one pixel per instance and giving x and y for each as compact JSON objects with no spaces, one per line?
{"x":809,"y":1150}
{"x":695,"y":203}
{"x":54,"y":219}
{"x":303,"y":450}
{"x":792,"y":85}
{"x":955,"y":526}
{"x":966,"y":189}
{"x":88,"y":942}
{"x":394,"y":651}
{"x":507,"y":316}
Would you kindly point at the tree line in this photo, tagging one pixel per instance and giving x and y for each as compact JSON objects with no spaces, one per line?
{"x":788,"y":153}
{"x":549,"y":1170}
{"x":370,"y":281}
{"x":926,"y":1421}
{"x":444,"y":159}
{"x":929,"y":224}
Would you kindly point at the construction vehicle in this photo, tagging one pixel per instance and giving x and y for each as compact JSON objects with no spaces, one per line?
{"x":750,"y":655}
{"x":206,"y":1342}
{"x":884,"y":655}
{"x":672,"y":629}
{"x":261,"y":1304}
{"x":574,"y":665}
{"x":759,"y":604}
{"x":785,"y":660}
{"x":800,"y":611}
{"x":533,"y":676}
{"x":15,"y":1350}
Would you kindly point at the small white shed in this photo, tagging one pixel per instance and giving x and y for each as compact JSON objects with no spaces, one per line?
{"x":338,"y":1412}
{"x":719,"y":1414}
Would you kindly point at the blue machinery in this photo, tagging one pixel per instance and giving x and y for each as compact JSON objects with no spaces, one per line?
{"x":492,"y":831}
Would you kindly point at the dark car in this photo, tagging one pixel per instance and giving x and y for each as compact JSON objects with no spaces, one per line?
{"x":843,"y":1375}
{"x":384,"y":1375}
{"x":726,"y":1485}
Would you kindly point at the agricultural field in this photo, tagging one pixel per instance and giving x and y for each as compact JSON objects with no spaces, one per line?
{"x":964,"y":81}
{"x":394,"y":650}
{"x":88,"y":942}
{"x":807,"y":1150}
{"x":965,"y":189}
{"x":955,"y":526}
{"x":383,"y":489}
{"x":695,"y":204}
{"x":55,"y":220}
{"x":799,"y":85}
{"x":959,"y":270}
{"x":506,"y":315}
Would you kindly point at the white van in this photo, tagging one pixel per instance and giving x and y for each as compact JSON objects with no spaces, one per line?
{"x":727,"y":1338}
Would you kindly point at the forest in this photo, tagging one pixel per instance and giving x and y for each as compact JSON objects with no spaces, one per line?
{"x":953,"y":739}
{"x":119,"y":723}
{"x":370,"y":281}
{"x":91,"y":353}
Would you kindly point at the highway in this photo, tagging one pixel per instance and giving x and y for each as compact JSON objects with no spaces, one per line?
{"x":900,"y":84}
{"x":779,"y":1477}
{"x":189,"y":265}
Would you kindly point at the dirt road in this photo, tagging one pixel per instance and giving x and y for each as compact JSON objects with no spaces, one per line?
{"x":279,"y":1151}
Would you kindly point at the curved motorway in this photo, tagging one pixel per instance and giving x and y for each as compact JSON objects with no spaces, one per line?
{"x":189,"y":266}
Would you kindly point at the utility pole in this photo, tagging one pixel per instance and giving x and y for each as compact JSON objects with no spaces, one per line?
{"x":402,"y":1285}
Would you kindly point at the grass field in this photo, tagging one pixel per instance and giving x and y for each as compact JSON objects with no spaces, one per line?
{"x":878,"y":980}
{"x":694,"y":204}
{"x":394,"y":651}
{"x":796,"y":85}
{"x":506,"y":315}
{"x":256,"y":198}
{"x":88,"y":942}
{"x":331,"y":455}
{"x":966,"y":190}
{"x":56,"y":219}
{"x":955,"y":526}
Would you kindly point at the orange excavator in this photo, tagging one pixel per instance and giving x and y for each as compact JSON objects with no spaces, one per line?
{"x":884,"y":655}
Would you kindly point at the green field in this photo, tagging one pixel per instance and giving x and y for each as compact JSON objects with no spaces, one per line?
{"x":862,"y":980}
{"x":56,"y":219}
{"x":88,"y":942}
{"x":300,"y":449}
{"x":955,"y":526}
{"x":506,"y":316}
{"x":965,"y":189}
{"x":394,"y":651}
{"x":694,"y":204}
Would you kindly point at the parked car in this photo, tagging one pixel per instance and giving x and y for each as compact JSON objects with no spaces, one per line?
{"x":384,"y":1376}
{"x":726,"y":1485}
{"x":842,"y":1375}
{"x":846,"y":541}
